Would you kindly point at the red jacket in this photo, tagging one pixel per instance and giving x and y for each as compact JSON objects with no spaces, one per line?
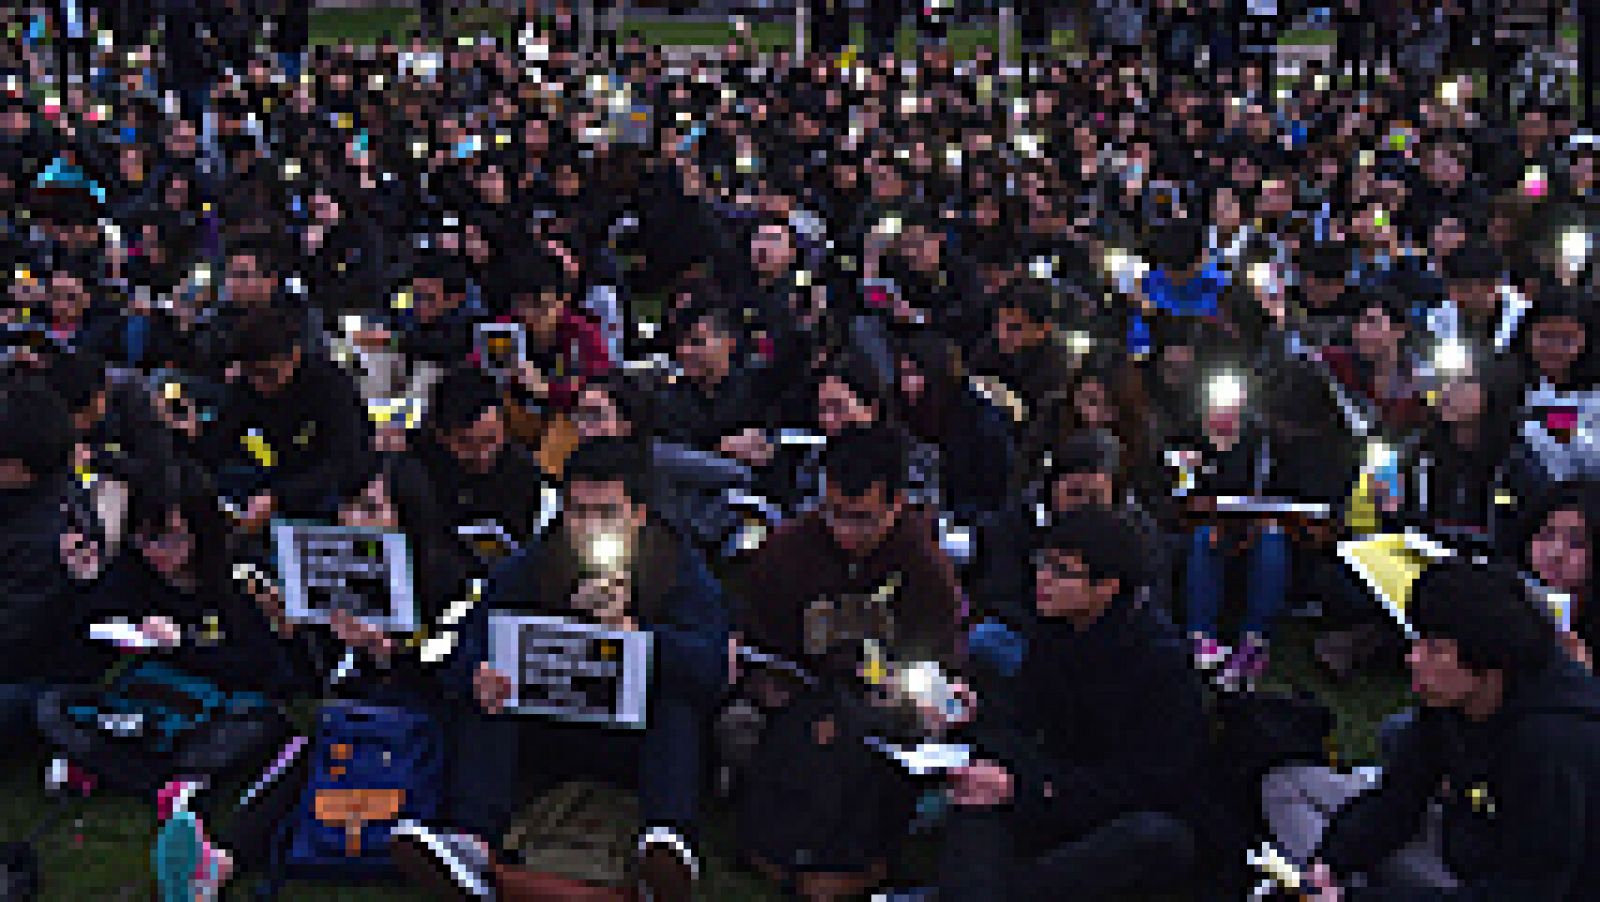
{"x":1398,"y":414}
{"x":577,"y":355}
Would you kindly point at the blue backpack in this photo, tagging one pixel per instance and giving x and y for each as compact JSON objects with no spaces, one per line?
{"x":372,"y":767}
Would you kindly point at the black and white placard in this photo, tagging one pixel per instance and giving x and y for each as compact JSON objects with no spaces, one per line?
{"x":572,"y":671}
{"x":334,"y":568}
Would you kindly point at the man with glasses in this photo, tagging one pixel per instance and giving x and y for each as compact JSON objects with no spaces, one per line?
{"x":290,"y":437}
{"x":866,"y":567}
{"x":1088,"y":757}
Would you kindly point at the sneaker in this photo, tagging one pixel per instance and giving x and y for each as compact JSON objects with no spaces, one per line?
{"x":668,"y":868}
{"x":1208,"y":652}
{"x":1246,"y":666}
{"x":447,"y":865}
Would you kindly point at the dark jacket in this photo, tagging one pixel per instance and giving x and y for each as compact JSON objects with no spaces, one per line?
{"x":42,"y":623}
{"x":1521,"y":797}
{"x":509,"y":494}
{"x":800,"y":565}
{"x":225,"y":637}
{"x":317,"y":430}
{"x":676,"y":600}
{"x":1099,"y":724}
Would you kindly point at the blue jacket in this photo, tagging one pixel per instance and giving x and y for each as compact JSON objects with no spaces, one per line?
{"x":688,"y":619}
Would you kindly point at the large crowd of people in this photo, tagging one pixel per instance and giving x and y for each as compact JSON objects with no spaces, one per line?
{"x":1065,"y":385}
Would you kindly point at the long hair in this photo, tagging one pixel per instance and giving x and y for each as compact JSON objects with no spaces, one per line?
{"x":186,"y":488}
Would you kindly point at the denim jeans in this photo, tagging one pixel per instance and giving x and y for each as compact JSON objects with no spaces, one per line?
{"x":1144,"y":851}
{"x":1268,"y":560}
{"x":500,"y":762}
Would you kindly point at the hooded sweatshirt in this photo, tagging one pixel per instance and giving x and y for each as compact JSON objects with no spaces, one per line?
{"x":1520,"y":793}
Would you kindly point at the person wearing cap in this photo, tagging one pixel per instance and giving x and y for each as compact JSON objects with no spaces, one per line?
{"x":478,"y":474}
{"x":291,"y":432}
{"x":1491,"y":791}
{"x":1088,"y":759}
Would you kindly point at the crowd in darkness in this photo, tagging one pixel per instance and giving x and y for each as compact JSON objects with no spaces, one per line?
{"x":1064,"y":380}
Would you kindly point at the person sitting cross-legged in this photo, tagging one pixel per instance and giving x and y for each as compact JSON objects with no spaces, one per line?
{"x":1086,"y":762}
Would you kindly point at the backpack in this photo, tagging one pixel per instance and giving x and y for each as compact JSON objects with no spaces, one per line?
{"x":371,"y":768}
{"x":581,"y":832}
{"x":154,"y":721}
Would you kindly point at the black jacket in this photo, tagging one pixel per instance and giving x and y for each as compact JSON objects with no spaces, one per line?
{"x":43,"y":620}
{"x":226,"y":638}
{"x":1521,"y":797}
{"x":509,"y":494}
{"x":1098,"y":724}
{"x":318,"y":432}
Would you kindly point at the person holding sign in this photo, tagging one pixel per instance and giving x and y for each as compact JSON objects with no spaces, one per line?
{"x":609,"y":563}
{"x":1507,"y":745}
{"x":1088,"y":773}
{"x":418,"y":667}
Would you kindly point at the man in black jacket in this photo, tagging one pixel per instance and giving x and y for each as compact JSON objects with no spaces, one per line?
{"x":479,"y":477}
{"x":290,"y":439}
{"x":40,"y":553}
{"x":1094,"y":750}
{"x":1505,"y":753}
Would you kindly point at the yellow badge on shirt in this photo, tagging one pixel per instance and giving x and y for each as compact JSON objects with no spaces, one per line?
{"x":259,"y":448}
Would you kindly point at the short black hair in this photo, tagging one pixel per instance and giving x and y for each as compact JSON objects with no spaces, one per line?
{"x":1477,"y":260}
{"x":270,"y":334}
{"x":1108,"y":546}
{"x":1486,"y":609}
{"x":864,"y":456}
{"x":610,"y":459}
{"x":461,"y":398}
{"x":1033,"y":299}
{"x":35,"y":428}
{"x":1084,"y":451}
{"x":77,"y":377}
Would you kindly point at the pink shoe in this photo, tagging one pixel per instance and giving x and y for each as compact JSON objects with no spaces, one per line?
{"x":1208,"y":653}
{"x":1246,"y":666}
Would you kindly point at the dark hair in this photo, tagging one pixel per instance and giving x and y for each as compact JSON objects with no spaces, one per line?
{"x":434,"y":556}
{"x":35,"y":428}
{"x":863,"y":456}
{"x":77,"y":377}
{"x":1486,"y":610}
{"x":610,"y":460}
{"x":1107,"y":544}
{"x":184,"y":486}
{"x":1579,"y":495}
{"x":1473,"y":261}
{"x":1084,"y":451}
{"x":631,"y":399}
{"x":270,"y":334}
{"x":1032,"y":299}
{"x":864,"y":381}
{"x":461,"y":398}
